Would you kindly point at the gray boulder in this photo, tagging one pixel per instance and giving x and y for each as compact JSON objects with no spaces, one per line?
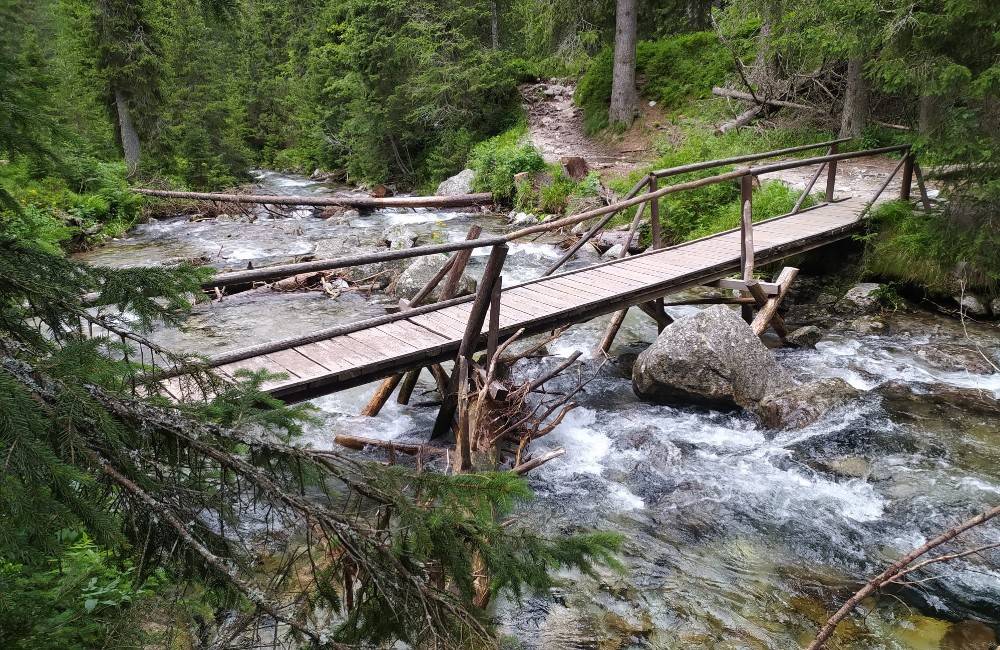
{"x":862,"y":298}
{"x":460,"y":183}
{"x":869,"y":325}
{"x":614,"y":252}
{"x":972,"y":305}
{"x":796,"y":406}
{"x":521,"y":219}
{"x":420,"y":271}
{"x":711,"y":358}
{"x":400,"y":236}
{"x":995,"y":307}
{"x":804,"y":337}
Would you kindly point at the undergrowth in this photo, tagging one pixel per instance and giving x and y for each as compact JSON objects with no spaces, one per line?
{"x":913,"y":246}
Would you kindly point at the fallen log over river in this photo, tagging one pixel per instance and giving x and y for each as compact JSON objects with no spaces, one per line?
{"x":368,"y":202}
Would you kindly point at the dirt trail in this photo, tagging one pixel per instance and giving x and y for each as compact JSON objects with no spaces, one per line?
{"x":555,"y":127}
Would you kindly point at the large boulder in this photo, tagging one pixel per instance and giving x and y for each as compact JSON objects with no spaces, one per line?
{"x":460,"y":183}
{"x":796,"y":406}
{"x":420,"y":271}
{"x":711,"y":358}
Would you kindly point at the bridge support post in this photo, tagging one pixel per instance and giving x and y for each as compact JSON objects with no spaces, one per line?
{"x":452,"y":270}
{"x":473,"y":332}
{"x":769,"y":312}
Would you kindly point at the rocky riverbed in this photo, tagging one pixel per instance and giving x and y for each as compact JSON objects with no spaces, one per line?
{"x":737,"y":535}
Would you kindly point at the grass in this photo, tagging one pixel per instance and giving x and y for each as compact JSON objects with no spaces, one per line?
{"x":499,"y":158}
{"x":914,"y":247}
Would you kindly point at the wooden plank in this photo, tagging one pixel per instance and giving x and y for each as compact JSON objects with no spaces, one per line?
{"x":335,"y":355}
{"x":439,"y":324}
{"x":295,"y":361}
{"x":414,"y":334}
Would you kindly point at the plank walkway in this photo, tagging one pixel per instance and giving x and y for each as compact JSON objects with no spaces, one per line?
{"x":566,"y":298}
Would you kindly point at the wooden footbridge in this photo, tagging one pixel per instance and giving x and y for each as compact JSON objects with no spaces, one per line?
{"x":422,"y":335}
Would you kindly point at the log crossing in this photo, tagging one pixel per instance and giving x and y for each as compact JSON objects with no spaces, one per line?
{"x":571,"y":297}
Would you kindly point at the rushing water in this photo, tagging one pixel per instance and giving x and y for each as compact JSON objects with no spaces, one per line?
{"x":736,"y":536}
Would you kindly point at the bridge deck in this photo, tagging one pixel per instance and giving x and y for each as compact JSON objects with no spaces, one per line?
{"x":565,"y":298}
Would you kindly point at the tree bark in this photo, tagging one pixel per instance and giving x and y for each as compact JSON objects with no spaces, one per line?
{"x":623,"y":94}
{"x":854,"y":117}
{"x":495,"y":24}
{"x":928,"y":116}
{"x":129,"y":136}
{"x":764,"y":72}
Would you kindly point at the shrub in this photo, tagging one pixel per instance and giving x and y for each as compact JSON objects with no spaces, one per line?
{"x":496,"y":160}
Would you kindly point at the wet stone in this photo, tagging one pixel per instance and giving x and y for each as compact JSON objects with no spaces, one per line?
{"x":861,"y":298}
{"x":956,"y":358}
{"x":869,"y":325}
{"x":804,"y":337}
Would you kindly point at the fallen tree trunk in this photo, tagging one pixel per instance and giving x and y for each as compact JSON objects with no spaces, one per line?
{"x":742,"y":119}
{"x":732,"y":93}
{"x":454,"y":201}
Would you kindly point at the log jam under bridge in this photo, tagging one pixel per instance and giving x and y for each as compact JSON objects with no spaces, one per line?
{"x":423,"y":335}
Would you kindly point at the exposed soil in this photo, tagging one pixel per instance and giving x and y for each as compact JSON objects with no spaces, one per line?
{"x":555,"y":127}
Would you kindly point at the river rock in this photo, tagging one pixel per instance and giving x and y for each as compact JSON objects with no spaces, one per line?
{"x":399,"y":236}
{"x":460,"y":183}
{"x":614,"y":252}
{"x":711,"y":358}
{"x":862,"y":298}
{"x":521,"y":219}
{"x":420,"y":271}
{"x":973,"y":305}
{"x":804,"y":337}
{"x":995,"y":307}
{"x":610,"y":238}
{"x":797,"y":406}
{"x":951,"y":357}
{"x":911,"y":398}
{"x":969,"y":635}
{"x":848,"y":466}
{"x":869,"y":325}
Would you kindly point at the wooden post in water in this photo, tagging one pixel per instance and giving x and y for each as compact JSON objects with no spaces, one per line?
{"x":453,"y":269}
{"x":473,"y":330}
{"x":831,"y":174}
{"x":746,"y":239}
{"x":769,"y":314}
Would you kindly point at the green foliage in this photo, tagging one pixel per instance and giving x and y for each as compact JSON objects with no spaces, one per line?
{"x":676,"y":69}
{"x":554,"y":195}
{"x":593,"y":92}
{"x":81,"y":600}
{"x":496,"y":160}
{"x":930,"y":249}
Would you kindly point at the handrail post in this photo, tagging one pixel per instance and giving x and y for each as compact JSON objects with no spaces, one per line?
{"x":907,"y":180}
{"x":746,"y":240}
{"x":831,"y":174}
{"x":654,"y":215}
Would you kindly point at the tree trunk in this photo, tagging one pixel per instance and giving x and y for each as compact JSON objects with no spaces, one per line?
{"x":129,"y":137}
{"x":697,"y":13}
{"x":929,"y":112}
{"x":623,"y":94}
{"x":764,"y":73}
{"x":854,"y":117}
{"x":495,"y":24}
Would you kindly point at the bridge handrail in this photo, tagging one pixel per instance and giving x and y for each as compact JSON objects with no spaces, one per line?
{"x":266,"y":273}
{"x":708,"y":164}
